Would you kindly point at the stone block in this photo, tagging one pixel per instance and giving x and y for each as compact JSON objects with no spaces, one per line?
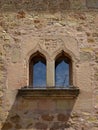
{"x":85,"y":56}
{"x":16,"y":54}
{"x":95,"y":34}
{"x":46,"y":105}
{"x":7,"y":126}
{"x":62,"y":117}
{"x":29,"y":105}
{"x":64,"y":105}
{"x":15,"y":119}
{"x":90,"y":40}
{"x":1,"y":94}
{"x":47,"y":117}
{"x":0,"y":101}
{"x":77,"y":4}
{"x":30,"y":125}
{"x":7,"y":48}
{"x":96,"y":57}
{"x":41,"y":126}
{"x":92,"y":3}
{"x":18,"y":126}
{"x":21,"y":14}
{"x":58,"y":126}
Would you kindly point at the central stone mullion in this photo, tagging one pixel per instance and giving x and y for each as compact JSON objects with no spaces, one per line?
{"x":50,"y":73}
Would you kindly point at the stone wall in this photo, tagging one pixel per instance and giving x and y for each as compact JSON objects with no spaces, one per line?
{"x":24,"y":28}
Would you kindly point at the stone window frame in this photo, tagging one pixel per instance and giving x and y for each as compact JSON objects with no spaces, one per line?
{"x":34,"y":57}
{"x":69,"y":60}
{"x":50,"y":69}
{"x":51,"y":91}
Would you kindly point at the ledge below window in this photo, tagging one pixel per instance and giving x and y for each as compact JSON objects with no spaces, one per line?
{"x":38,"y":93}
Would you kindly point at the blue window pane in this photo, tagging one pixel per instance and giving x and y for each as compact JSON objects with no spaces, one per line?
{"x":62,"y":74}
{"x":39,"y":74}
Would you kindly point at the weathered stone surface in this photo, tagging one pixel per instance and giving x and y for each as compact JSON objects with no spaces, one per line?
{"x":96,"y":57}
{"x":46,"y":105}
{"x":1,"y":94}
{"x":58,"y":126}
{"x":77,"y":4}
{"x":7,"y":47}
{"x":21,"y":14}
{"x":29,"y":125}
{"x":16,"y":54}
{"x":63,"y":106}
{"x":15,"y":119}
{"x":41,"y":126}
{"x":62,"y":117}
{"x":18,"y":126}
{"x":50,"y":27}
{"x":47,"y":117}
{"x":42,"y":5}
{"x":0,"y":101}
{"x":92,"y":3}
{"x":85,"y":56}
{"x":7,"y":126}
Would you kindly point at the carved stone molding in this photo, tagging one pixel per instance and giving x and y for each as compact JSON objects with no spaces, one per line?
{"x":54,"y":93}
{"x":51,"y":46}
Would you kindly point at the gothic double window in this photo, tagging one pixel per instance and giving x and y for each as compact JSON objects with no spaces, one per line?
{"x":38,"y":70}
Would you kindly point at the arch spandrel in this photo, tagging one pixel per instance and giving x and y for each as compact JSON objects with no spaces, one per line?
{"x":39,"y":49}
{"x":51,"y":46}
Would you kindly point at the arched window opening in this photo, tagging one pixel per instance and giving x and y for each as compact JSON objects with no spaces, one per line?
{"x":63,"y":73}
{"x":37,"y":71}
{"x":59,"y":77}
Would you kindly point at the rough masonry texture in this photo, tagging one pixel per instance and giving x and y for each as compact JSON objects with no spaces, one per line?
{"x":48,"y":26}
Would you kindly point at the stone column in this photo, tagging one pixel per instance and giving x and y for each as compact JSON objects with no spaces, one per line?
{"x":50,"y":73}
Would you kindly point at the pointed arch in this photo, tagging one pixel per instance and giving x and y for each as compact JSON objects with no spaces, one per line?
{"x":36,"y":49}
{"x":63,"y":69}
{"x":37,"y":70}
{"x":67,"y":53}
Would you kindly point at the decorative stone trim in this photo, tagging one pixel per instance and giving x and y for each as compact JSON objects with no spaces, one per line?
{"x":50,"y":92}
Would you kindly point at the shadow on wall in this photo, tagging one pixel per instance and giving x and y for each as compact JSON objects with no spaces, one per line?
{"x":39,"y":114}
{"x":35,"y":5}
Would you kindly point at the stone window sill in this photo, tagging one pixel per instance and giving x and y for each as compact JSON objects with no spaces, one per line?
{"x":50,"y":92}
